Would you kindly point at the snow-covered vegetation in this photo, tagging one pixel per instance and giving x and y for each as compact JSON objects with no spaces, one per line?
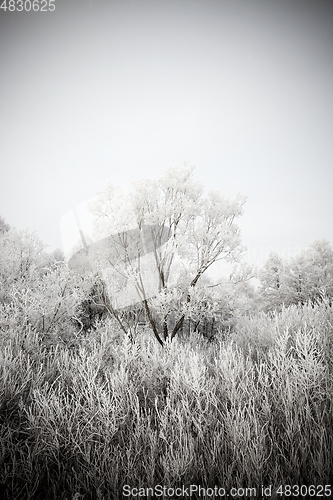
{"x":204,"y":385}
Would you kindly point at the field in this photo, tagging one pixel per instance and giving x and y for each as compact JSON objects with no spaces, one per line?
{"x":99,"y":417}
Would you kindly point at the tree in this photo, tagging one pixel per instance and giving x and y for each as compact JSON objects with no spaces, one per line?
{"x":320,"y":254}
{"x":188,"y":232}
{"x":306,"y":277}
{"x":310,"y":274}
{"x":272,"y":282}
{"x":3,"y":225}
{"x":37,"y":288}
{"x":22,"y":259}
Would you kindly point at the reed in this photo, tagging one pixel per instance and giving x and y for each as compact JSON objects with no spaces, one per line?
{"x":81,"y":420}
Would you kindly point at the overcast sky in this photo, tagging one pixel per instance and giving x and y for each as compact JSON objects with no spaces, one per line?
{"x":115,"y":91}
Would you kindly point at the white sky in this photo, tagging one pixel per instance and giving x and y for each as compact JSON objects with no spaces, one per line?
{"x":114,"y":91}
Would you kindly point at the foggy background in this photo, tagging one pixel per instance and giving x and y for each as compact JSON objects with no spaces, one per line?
{"x":115,"y":91}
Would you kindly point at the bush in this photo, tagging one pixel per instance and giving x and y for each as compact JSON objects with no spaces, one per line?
{"x":112,"y":412}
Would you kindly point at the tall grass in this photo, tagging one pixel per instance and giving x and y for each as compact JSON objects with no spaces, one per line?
{"x":81,"y":420}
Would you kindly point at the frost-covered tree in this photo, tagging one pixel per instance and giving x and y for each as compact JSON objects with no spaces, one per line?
{"x":306,"y":277}
{"x":36,"y":288}
{"x":272,"y":290}
{"x":3,"y":225}
{"x":320,"y":254}
{"x":22,"y":259}
{"x":310,"y":274}
{"x":189,"y":232}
